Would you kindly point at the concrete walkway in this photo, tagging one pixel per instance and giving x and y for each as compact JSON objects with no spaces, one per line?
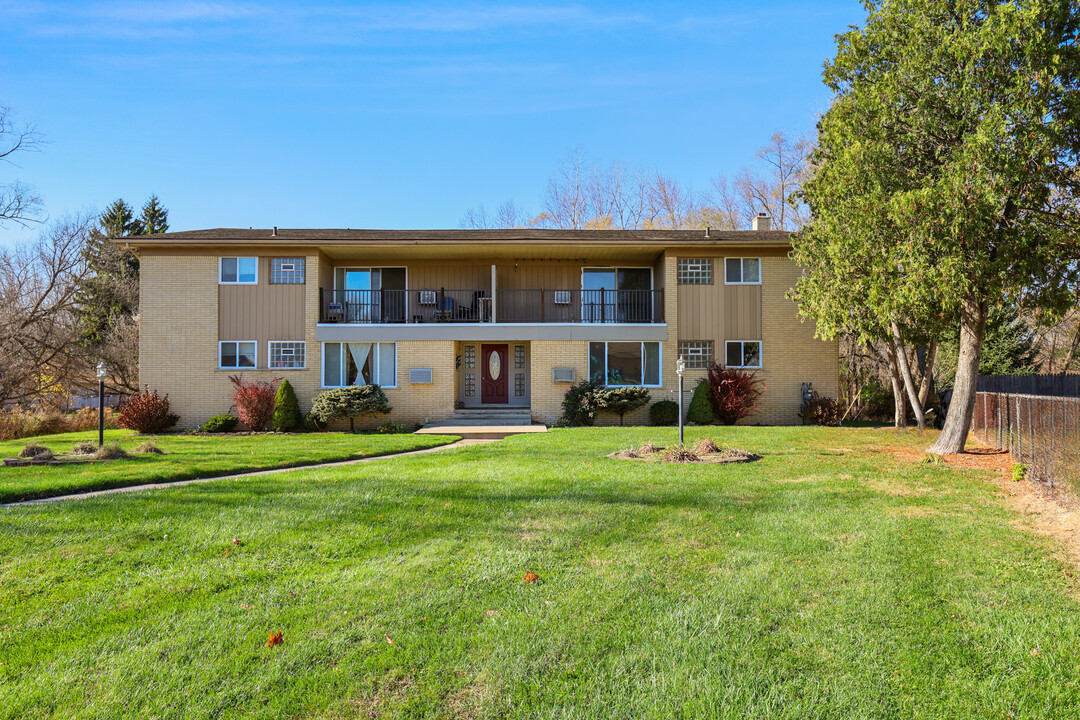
{"x":238,"y":476}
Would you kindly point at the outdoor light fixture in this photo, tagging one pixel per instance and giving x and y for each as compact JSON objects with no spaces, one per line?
{"x":102,"y":371}
{"x":680,"y":368}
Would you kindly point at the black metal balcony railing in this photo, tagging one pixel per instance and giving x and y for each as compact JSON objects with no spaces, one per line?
{"x":477,"y":306}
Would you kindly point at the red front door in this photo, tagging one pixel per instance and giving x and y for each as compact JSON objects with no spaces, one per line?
{"x":493,"y":374}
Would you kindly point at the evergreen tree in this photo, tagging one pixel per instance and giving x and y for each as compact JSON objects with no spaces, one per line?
{"x":286,"y":408}
{"x":119,"y":221}
{"x":155,"y":218}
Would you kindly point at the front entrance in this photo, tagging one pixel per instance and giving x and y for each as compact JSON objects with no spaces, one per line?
{"x":494,"y":371}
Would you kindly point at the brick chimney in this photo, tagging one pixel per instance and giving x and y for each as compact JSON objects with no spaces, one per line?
{"x":762,"y":221}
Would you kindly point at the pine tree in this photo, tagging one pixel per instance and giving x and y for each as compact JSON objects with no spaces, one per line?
{"x":119,"y":221}
{"x":286,"y":408}
{"x":155,"y":218}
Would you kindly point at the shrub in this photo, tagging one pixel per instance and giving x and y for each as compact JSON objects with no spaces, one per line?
{"x":311,"y":424}
{"x":664,"y":412}
{"x":649,"y":449}
{"x":876,"y":401}
{"x":700,"y":411}
{"x":149,"y":448}
{"x":581,"y":403}
{"x":1019,"y":472}
{"x":821,"y":410}
{"x":705,"y":446}
{"x":680,"y":454}
{"x":622,"y":400}
{"x":254,"y":402}
{"x":84,"y":448}
{"x":33,"y":451}
{"x":286,"y":408}
{"x":733,"y":393}
{"x":349,"y":402}
{"x":220,"y":423}
{"x":110,"y":452}
{"x":392,"y":428}
{"x":147,"y":412}
{"x":16,"y":424}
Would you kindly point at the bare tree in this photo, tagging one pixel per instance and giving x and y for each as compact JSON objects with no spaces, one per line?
{"x":785,"y":163}
{"x":506,"y":216}
{"x":38,"y":327}
{"x":18,"y":203}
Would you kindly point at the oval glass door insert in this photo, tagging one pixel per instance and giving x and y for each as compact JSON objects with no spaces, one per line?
{"x":494,"y":366}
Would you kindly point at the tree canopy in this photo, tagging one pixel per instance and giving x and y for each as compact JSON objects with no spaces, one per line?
{"x":945,"y":177}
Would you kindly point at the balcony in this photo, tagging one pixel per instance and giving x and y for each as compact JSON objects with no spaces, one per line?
{"x":412,"y":307}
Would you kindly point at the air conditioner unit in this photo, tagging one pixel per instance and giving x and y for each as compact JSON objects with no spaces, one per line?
{"x":562,"y":297}
{"x":427,"y":297}
{"x":420,"y":376}
{"x":562,"y":374}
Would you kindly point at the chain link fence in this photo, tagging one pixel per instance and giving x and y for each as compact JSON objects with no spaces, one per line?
{"x":1037,"y":419}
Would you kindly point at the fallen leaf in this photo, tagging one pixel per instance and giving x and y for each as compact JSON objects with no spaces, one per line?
{"x":446,"y":505}
{"x":246,"y":607}
{"x":275,"y":639}
{"x":226,"y":551}
{"x":531,"y":577}
{"x":1036,"y":651}
{"x":494,"y":613}
{"x":388,"y":639}
{"x":237,"y":542}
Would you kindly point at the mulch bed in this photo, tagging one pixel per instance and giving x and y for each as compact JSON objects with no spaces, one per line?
{"x":661,"y":454}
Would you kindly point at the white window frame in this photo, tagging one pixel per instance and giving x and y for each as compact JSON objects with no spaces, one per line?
{"x":254,"y":343}
{"x":742,"y":282}
{"x":688,"y":278}
{"x":237,"y":281}
{"x":270,"y":354}
{"x":686,"y":355}
{"x":659,"y":350}
{"x":742,"y":353}
{"x":344,"y":360}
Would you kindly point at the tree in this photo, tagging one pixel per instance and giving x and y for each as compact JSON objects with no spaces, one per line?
{"x":777,"y":191}
{"x":286,"y":408}
{"x":349,"y":403}
{"x":954,"y":132}
{"x":18,"y":203}
{"x":622,"y":400}
{"x":38,"y":326}
{"x":1010,"y":347}
{"x":154,"y":219}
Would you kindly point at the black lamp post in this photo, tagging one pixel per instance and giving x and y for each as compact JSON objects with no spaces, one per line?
{"x":101,"y":372}
{"x":680,"y":367}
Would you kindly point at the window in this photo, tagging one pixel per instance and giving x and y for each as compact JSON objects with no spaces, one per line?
{"x":239,"y":271}
{"x":696,"y":353}
{"x":625,"y":363}
{"x":234,"y":354}
{"x":286,"y":271}
{"x":287,"y":355}
{"x":695,"y":271}
{"x":616,"y":295}
{"x":359,"y":364}
{"x":742,"y":271}
{"x":743,"y":353}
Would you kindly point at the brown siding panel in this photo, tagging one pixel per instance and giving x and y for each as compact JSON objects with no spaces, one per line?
{"x":261,"y":312}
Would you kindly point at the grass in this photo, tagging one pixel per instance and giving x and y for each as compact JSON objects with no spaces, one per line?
{"x":189,"y":456}
{"x":827,"y":580}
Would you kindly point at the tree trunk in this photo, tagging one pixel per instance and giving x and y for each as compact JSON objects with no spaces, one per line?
{"x":905,"y":372}
{"x":900,"y":405}
{"x":928,"y":374}
{"x":958,"y":422}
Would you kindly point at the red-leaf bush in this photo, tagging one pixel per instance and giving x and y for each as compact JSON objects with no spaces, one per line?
{"x":147,"y":412}
{"x":821,"y":410}
{"x":254,"y":402}
{"x":733,"y":393}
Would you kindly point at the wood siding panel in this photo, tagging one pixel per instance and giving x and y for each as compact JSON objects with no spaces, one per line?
{"x":261,"y":312}
{"x":719,"y":312}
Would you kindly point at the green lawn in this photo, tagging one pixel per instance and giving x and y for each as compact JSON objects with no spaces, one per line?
{"x":189,"y":456}
{"x":828,"y":580}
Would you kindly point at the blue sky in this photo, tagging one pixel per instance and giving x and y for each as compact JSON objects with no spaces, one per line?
{"x":393,"y":115}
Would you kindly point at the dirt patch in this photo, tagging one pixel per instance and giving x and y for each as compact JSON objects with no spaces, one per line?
{"x":703,"y":453}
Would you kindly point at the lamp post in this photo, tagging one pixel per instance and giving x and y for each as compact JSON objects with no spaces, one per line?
{"x":680,"y":367}
{"x":101,"y":372}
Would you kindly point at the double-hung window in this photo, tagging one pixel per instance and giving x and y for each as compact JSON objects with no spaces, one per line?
{"x":287,"y":355}
{"x":696,"y":353}
{"x":238,"y":271}
{"x":742,"y":271}
{"x":359,"y":363}
{"x":625,"y":363}
{"x":743,"y":353}
{"x":234,"y":354}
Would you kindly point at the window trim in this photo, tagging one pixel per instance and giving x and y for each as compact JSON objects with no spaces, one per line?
{"x":678,"y":270}
{"x":742,"y":353}
{"x":254,"y":343}
{"x":659,"y":350}
{"x":322,"y":362}
{"x":237,"y":281}
{"x":708,"y":361}
{"x":743,"y":282}
{"x":270,"y":354}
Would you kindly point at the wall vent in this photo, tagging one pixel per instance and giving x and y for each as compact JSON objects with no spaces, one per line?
{"x":562,"y":375}
{"x":420,"y":376}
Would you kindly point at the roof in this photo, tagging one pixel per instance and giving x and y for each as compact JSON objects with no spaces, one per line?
{"x":285,"y":236}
